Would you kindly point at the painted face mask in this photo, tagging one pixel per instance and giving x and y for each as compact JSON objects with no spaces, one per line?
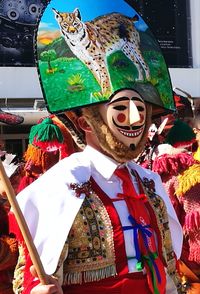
{"x":125,"y":116}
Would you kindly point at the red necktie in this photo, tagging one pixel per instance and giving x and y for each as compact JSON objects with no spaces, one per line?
{"x":144,"y":241}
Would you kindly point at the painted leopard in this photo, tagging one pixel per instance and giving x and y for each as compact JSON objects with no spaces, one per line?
{"x":93,"y":41}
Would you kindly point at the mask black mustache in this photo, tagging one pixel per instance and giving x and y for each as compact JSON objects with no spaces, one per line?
{"x":127,"y":128}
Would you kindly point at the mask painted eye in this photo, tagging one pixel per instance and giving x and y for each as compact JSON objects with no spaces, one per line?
{"x":140,"y":108}
{"x":121,"y":117}
{"x":119,"y":107}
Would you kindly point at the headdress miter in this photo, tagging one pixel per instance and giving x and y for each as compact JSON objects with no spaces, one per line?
{"x":84,"y":56}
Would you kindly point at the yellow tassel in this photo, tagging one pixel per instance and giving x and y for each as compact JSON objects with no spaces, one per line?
{"x":197,"y":154}
{"x":188,"y":179}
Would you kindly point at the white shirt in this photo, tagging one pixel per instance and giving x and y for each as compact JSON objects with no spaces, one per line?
{"x":50,"y":206}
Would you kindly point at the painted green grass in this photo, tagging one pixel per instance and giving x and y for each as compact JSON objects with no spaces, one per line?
{"x":72,"y":84}
{"x":60,"y":91}
{"x":160,"y":77}
{"x":124,"y":73}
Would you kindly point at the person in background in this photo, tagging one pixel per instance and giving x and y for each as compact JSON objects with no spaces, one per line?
{"x":180,"y":174}
{"x":196,"y":128}
{"x":8,"y":252}
{"x":8,"y":243}
{"x":49,"y":142}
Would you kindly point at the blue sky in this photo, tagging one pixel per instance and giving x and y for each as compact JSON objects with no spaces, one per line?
{"x":98,"y":8}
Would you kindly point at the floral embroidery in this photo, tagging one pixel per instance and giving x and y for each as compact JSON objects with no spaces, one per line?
{"x":150,"y":185}
{"x":82,"y":188}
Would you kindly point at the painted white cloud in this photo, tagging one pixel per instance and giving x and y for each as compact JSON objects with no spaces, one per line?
{"x":45,"y":25}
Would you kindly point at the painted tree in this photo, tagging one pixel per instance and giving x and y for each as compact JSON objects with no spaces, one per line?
{"x":48,"y":56}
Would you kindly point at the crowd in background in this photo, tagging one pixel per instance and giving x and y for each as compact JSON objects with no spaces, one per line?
{"x":172,"y":150}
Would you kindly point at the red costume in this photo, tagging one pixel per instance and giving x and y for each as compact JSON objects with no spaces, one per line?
{"x":8,"y":254}
{"x":91,"y":232}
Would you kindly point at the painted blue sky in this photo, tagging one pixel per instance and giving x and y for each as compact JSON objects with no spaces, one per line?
{"x":98,"y":8}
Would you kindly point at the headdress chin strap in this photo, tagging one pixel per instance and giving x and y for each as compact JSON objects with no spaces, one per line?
{"x":108,"y":142}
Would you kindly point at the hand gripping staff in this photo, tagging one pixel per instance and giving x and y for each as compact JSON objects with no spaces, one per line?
{"x":23,"y":226}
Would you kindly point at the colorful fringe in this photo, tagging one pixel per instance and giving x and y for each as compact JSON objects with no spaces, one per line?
{"x":188,"y":179}
{"x":46,"y":131}
{"x":197,"y":154}
{"x":37,"y":157}
{"x":172,"y":164}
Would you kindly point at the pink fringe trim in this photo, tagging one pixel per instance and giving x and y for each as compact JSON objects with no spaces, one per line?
{"x":192,"y":221}
{"x":172,"y":164}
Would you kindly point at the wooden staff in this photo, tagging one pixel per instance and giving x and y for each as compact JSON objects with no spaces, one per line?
{"x":23,"y":226}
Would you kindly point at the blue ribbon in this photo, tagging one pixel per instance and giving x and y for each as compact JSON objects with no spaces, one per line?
{"x":144,"y":232}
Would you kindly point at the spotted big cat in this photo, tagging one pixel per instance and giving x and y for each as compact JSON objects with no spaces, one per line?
{"x":93,"y":41}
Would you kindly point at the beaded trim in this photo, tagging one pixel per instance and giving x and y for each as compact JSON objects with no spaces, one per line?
{"x":19,"y":272}
{"x":91,"y":254}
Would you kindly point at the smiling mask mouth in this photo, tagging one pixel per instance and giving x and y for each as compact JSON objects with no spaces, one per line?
{"x":131,"y":134}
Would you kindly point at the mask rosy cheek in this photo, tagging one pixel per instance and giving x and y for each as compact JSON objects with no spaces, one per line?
{"x":121,"y":117}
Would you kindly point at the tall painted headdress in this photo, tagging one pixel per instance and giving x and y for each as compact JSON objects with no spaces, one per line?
{"x":86,"y":51}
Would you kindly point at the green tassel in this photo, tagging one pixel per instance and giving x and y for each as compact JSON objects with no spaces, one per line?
{"x":139,"y":266}
{"x":180,"y":132}
{"x":147,"y":258}
{"x":46,"y":131}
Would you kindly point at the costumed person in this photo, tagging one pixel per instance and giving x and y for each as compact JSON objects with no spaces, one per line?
{"x":180,"y":174}
{"x":100,"y":222}
{"x":8,"y":244}
{"x":158,"y":132}
{"x":49,"y":142}
{"x":181,"y":135}
{"x":154,"y":139}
